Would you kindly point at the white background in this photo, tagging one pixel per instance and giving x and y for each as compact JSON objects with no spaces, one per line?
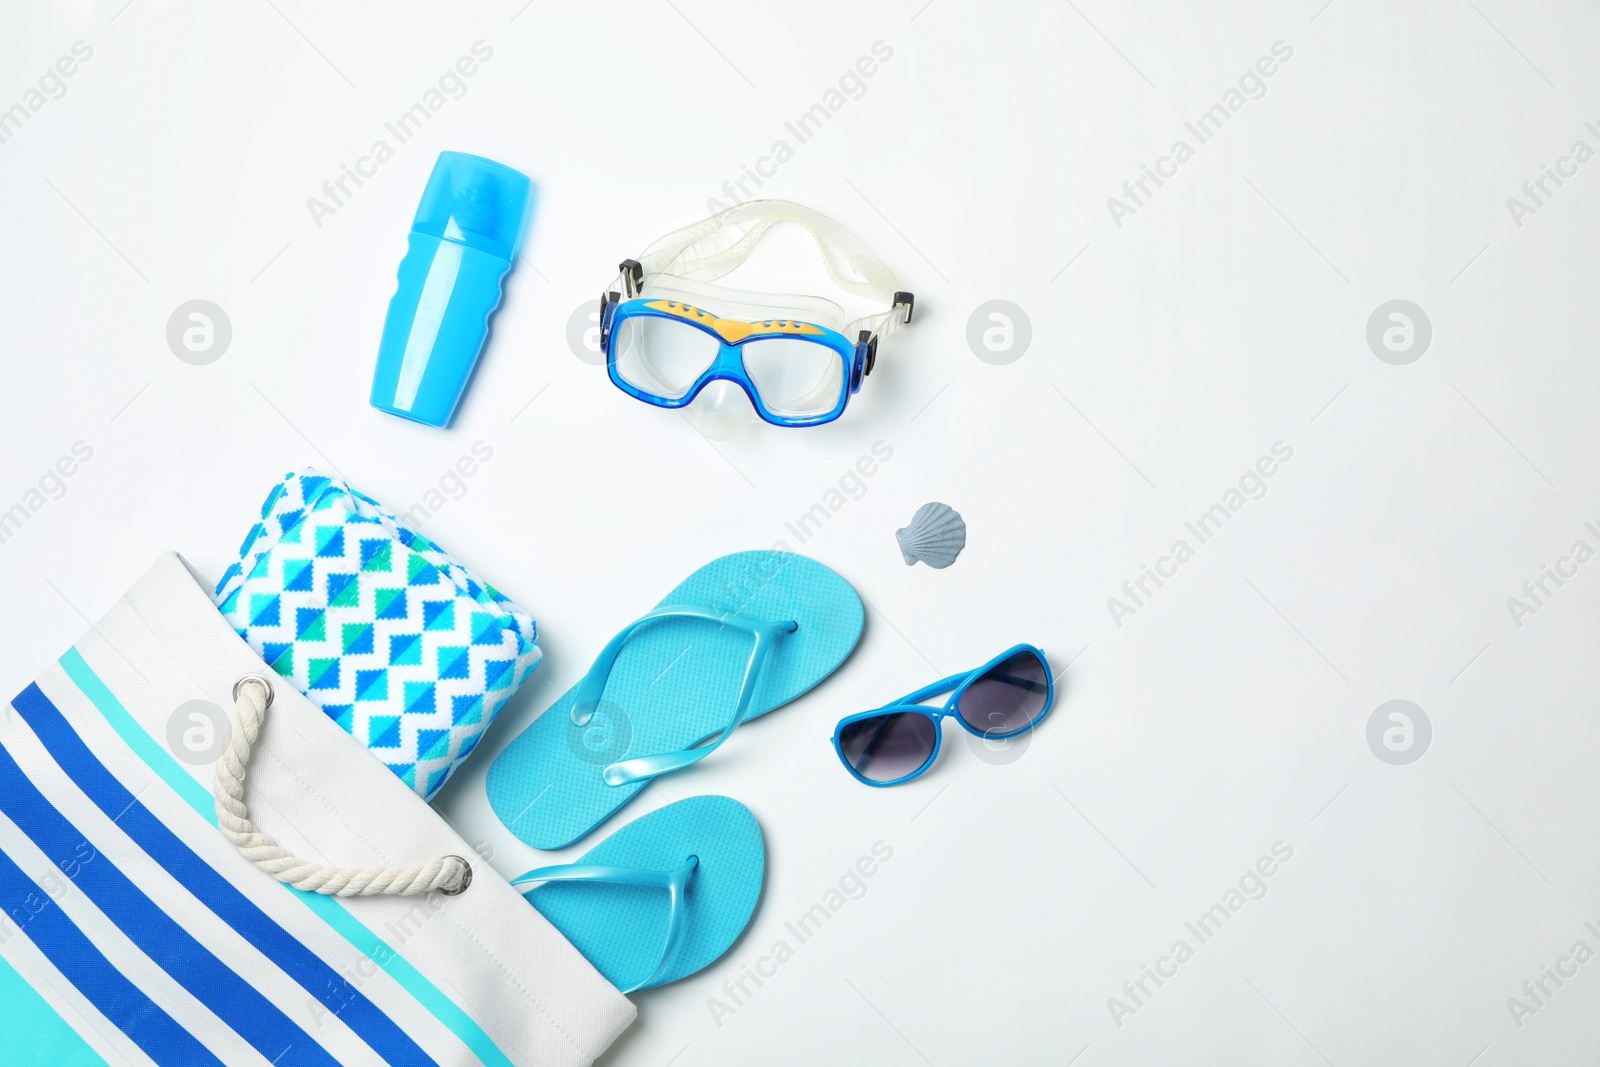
{"x":1229,"y":312}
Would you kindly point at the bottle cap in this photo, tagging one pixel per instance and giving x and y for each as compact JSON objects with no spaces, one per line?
{"x":477,"y":202}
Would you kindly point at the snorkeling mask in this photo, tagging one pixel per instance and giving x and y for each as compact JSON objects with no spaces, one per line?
{"x":667,"y":332}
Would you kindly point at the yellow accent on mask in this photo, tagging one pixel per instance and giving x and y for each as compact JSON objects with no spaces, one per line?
{"x":732,"y":330}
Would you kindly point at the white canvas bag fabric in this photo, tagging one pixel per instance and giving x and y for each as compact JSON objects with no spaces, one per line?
{"x":132,"y":932}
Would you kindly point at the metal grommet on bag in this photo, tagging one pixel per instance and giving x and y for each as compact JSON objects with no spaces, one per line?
{"x":258,"y":680}
{"x":466,"y":878}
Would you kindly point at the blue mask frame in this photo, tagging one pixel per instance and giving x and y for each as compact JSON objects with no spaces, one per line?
{"x":956,"y":685}
{"x":858,"y":356}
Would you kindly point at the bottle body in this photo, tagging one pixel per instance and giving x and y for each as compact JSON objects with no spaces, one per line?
{"x":436,"y":326}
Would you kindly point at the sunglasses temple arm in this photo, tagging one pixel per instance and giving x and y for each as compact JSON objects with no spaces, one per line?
{"x":942,"y":686}
{"x":1021,"y":683}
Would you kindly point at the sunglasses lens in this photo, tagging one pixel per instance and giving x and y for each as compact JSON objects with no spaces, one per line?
{"x":1008,"y":696}
{"x":888,"y":747}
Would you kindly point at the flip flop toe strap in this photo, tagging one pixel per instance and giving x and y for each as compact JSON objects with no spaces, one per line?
{"x":674,"y":882}
{"x":640,"y":768}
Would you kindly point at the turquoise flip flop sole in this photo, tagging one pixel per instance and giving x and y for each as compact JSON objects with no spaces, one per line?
{"x":675,"y":683}
{"x":621,"y":928}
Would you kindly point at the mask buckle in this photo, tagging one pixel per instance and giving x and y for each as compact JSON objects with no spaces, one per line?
{"x":910,"y":302}
{"x":632,"y":277}
{"x":868,"y":341}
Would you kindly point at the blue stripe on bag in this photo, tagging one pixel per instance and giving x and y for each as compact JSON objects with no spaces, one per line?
{"x":449,"y":1014}
{"x":75,"y":956}
{"x":251,"y":1015}
{"x":216,"y":892}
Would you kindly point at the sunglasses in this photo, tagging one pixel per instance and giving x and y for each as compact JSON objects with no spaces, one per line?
{"x":900,"y":741}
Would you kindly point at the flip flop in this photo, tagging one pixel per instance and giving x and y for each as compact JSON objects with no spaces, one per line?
{"x":742,"y":635}
{"x":662,"y":897}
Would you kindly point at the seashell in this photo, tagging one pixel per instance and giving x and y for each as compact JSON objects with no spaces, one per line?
{"x":936,"y":535}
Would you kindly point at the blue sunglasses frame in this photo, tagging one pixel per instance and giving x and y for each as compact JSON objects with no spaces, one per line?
{"x":858,"y":355}
{"x":956,"y":685}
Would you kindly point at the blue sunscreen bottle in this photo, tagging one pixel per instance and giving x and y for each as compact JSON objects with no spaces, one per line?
{"x":463,"y":241}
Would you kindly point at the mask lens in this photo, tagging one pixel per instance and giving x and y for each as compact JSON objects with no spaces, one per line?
{"x":661,"y":356}
{"x":794,"y":377}
{"x":1008,"y":696}
{"x":888,"y":747}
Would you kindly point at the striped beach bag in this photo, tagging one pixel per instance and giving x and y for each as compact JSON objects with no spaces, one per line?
{"x":133,"y":932}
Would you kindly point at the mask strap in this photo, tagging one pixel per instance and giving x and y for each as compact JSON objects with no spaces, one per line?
{"x":714,"y":247}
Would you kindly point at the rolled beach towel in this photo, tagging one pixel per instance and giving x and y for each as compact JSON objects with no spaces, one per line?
{"x":399,"y":644}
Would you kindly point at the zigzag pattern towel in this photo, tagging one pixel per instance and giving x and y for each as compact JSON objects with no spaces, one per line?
{"x":397,"y":642}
